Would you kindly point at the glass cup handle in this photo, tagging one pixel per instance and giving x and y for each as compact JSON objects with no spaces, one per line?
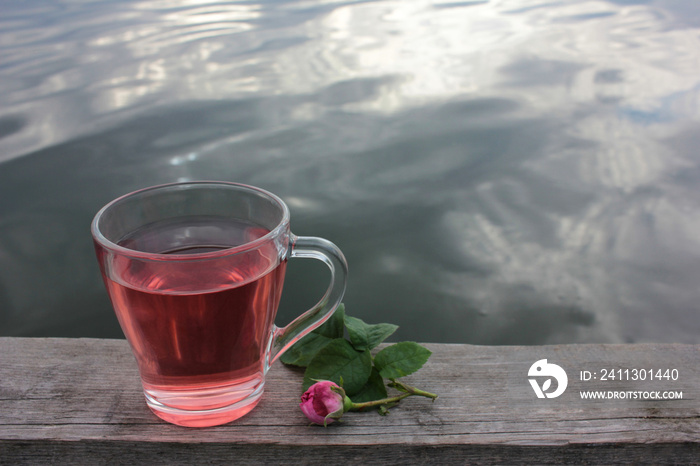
{"x":315,"y":248}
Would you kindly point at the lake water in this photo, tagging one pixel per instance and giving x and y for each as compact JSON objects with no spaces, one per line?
{"x":496,"y":172}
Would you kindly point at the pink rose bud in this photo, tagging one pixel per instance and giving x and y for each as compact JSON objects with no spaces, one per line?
{"x":323,"y":402}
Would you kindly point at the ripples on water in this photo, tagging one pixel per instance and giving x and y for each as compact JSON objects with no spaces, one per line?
{"x":497,"y":172}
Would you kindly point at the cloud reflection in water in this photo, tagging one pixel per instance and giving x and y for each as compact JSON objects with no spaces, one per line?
{"x":495,"y":173}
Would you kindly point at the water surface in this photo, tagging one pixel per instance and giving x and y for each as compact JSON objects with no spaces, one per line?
{"x":496,"y":172}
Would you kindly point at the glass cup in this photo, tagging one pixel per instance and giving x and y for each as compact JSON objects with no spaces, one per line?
{"x":195,"y":272}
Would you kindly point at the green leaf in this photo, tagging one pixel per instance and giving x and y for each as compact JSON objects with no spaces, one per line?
{"x":367,"y":336}
{"x":303,"y":351}
{"x":339,"y":359}
{"x":333,"y":327}
{"x":401,"y":359}
{"x":373,"y":390}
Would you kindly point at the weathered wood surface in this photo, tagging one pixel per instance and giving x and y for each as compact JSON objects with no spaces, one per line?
{"x":66,"y":401}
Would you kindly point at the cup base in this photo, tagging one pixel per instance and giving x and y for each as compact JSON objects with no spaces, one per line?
{"x":204,"y":408}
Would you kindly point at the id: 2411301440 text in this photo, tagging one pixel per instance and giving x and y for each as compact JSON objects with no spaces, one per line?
{"x":630,"y":374}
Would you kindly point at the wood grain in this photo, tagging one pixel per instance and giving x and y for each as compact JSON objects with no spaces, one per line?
{"x":79,"y":400}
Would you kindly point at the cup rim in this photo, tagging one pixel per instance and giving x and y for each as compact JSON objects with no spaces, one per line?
{"x":121,"y":250}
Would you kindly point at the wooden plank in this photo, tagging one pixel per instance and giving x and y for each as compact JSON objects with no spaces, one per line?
{"x":72,"y":400}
